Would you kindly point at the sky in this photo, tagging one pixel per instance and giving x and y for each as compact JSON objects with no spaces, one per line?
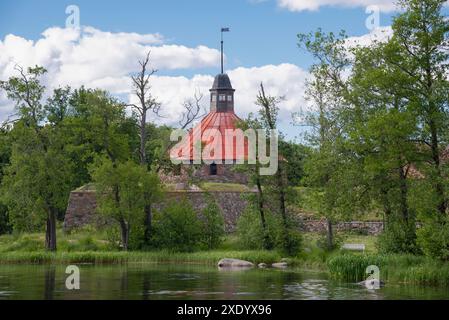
{"x":184,"y":39}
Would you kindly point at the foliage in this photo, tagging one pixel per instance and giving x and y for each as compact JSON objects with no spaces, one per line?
{"x":251,"y":232}
{"x":177,"y":228}
{"x":433,"y":238}
{"x":212,"y":225}
{"x":123,"y":191}
{"x":295,"y":155}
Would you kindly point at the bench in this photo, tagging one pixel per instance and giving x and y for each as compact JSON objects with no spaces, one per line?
{"x":353,"y":246}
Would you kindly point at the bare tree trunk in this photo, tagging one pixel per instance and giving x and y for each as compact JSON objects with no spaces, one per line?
{"x":124,"y":228}
{"x":442,"y":204}
{"x":50,"y":232}
{"x":330,"y":235}
{"x":148,"y":222}
{"x":266,"y":238}
{"x":281,"y":190}
{"x":403,"y":195}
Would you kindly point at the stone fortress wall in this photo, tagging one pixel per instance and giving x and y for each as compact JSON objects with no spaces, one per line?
{"x":82,"y":205}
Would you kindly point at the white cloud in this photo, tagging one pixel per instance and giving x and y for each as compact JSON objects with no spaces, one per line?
{"x":380,"y":34}
{"x":280,"y":80}
{"x":89,"y":56}
{"x":98,"y":59}
{"x":313,"y":5}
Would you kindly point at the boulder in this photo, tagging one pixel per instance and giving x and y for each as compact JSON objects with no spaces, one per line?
{"x":262,"y":265}
{"x":234,"y":263}
{"x":370,"y":283}
{"x":280,"y":265}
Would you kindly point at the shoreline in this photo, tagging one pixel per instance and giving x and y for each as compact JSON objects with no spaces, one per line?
{"x":350,"y":268}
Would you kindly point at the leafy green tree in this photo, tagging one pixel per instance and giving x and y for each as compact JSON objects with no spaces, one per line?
{"x":387,"y":125}
{"x":96,"y":124}
{"x":5,"y":155}
{"x":37,"y":180}
{"x":123,"y":190}
{"x":327,"y":92}
{"x":420,"y":39}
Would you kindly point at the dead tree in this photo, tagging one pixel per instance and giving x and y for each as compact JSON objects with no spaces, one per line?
{"x":192,"y":110}
{"x":147,"y":102}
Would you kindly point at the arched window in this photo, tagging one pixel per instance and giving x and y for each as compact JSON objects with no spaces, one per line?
{"x":213,"y":169}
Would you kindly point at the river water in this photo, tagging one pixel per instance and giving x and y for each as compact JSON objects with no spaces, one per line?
{"x":137,"y":281}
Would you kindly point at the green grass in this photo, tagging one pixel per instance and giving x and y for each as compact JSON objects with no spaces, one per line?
{"x":118,"y":257}
{"x":220,"y":186}
{"x":397,"y":268}
{"x":86,"y":239}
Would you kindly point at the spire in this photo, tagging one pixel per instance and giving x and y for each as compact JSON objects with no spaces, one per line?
{"x":222,"y":30}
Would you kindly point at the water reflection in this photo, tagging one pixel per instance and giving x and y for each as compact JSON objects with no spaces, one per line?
{"x":191,"y":282}
{"x":50,"y":282}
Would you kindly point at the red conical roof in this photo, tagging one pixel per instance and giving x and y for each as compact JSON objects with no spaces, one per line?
{"x":219,"y":139}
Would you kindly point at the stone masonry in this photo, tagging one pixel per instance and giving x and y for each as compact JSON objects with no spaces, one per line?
{"x":82,"y":205}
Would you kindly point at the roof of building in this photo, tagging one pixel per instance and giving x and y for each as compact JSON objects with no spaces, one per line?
{"x":219,"y":139}
{"x":216,"y":133}
{"x":222,"y":81}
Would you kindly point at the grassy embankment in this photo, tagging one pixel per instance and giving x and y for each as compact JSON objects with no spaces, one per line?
{"x":92,"y":246}
{"x":86,"y":246}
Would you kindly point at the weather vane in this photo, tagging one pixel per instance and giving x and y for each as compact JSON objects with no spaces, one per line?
{"x":222,"y":30}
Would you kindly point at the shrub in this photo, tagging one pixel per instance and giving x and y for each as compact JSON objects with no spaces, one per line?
{"x":177,"y":228}
{"x":433,"y":238}
{"x":251,"y":234}
{"x":250,"y":231}
{"x":212,"y":225}
{"x":289,"y":241}
{"x":398,"y":238}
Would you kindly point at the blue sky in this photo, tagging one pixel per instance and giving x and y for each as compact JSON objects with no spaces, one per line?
{"x":261,"y":32}
{"x":261,"y":46}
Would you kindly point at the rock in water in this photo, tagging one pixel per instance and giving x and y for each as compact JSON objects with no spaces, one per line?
{"x":371,"y":283}
{"x":262,"y":265}
{"x":234,"y":263}
{"x":280,"y":265}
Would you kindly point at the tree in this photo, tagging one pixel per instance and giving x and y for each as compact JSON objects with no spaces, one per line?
{"x":278,"y":185}
{"x":420,"y":38}
{"x":256,"y":179}
{"x":386,"y":135}
{"x":37,"y":181}
{"x":147,"y":102}
{"x":123,"y":191}
{"x":96,"y":124}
